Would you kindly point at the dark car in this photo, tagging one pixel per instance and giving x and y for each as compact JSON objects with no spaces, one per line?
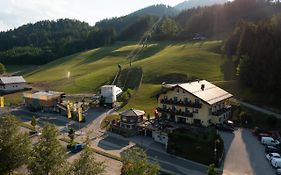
{"x":223,"y":127}
{"x":272,"y":149}
{"x":76,"y":148}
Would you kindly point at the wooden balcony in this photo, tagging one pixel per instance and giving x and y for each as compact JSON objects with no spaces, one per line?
{"x":175,"y":112}
{"x":221,"y":111}
{"x":181,"y":103}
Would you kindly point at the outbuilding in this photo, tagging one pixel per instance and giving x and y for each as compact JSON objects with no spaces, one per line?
{"x":131,"y":118}
{"x":43,"y":101}
{"x":11,"y":84}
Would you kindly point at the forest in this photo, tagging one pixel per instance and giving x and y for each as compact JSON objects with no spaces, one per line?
{"x":46,"y":41}
{"x":258,"y":49}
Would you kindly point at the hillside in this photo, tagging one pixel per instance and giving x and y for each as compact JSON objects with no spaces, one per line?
{"x":197,"y":3}
{"x":121,"y":23}
{"x":159,"y":62}
{"x":45,"y":41}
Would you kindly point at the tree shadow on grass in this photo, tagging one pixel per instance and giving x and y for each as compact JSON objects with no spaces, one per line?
{"x":111,"y":143}
{"x":146,"y":52}
{"x":100,"y":53}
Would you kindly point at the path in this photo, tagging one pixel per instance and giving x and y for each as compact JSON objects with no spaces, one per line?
{"x":257,"y":108}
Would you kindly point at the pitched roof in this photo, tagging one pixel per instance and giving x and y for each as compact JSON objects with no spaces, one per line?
{"x":11,"y":80}
{"x":132,"y":112}
{"x":210,"y":94}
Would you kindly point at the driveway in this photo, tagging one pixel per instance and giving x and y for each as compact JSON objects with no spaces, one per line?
{"x":244,"y":154}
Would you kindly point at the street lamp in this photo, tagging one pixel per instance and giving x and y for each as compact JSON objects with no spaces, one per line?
{"x":216,"y":150}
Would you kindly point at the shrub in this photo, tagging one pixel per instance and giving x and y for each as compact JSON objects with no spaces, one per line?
{"x":271,"y":121}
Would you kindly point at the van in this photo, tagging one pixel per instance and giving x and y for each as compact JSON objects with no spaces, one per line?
{"x":276,"y":163}
{"x":269,"y":141}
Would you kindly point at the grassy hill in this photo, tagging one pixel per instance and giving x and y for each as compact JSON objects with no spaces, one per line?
{"x":166,"y":61}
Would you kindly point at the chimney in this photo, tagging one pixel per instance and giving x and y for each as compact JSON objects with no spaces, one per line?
{"x":202,"y":87}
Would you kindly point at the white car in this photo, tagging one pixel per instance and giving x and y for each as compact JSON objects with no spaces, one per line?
{"x":269,"y":141}
{"x":278,"y":171}
{"x":271,"y":156}
{"x":276,"y":163}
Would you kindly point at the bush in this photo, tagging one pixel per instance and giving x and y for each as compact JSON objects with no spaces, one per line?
{"x":245,"y":119}
{"x":271,"y":121}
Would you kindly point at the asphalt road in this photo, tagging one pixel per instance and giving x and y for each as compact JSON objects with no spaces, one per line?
{"x":245,"y":155}
{"x":176,"y":165}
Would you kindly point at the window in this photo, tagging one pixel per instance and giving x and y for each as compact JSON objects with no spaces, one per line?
{"x":210,"y":110}
{"x":164,"y":106}
{"x":197,"y":101}
{"x":183,"y":91}
{"x":173,"y":108}
{"x":175,"y":98}
{"x":195,"y":110}
{"x":186,"y":110}
{"x":165,"y":97}
{"x":185,"y":99}
{"x":178,"y":90}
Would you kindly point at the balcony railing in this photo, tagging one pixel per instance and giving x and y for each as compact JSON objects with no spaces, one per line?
{"x":221,"y":111}
{"x":181,"y":103}
{"x":175,"y":112}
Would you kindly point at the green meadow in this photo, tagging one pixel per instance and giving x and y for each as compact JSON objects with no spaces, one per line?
{"x":91,"y":69}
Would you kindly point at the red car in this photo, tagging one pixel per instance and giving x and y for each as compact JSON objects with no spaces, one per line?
{"x":257,"y":131}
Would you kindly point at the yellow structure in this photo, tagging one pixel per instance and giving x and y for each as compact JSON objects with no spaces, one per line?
{"x":2,"y":103}
{"x":198,"y":102}
{"x":80,"y":115}
{"x":69,"y":110}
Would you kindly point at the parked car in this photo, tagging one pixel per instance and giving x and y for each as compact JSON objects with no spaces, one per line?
{"x":76,"y":148}
{"x":256,"y":131}
{"x":272,"y":149}
{"x":278,"y":171}
{"x":271,"y":156}
{"x":229,"y":123}
{"x":263,"y":135}
{"x":223,"y":127}
{"x":276,"y":163}
{"x":269,"y":141}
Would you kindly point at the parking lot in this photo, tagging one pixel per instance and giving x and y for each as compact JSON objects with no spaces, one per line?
{"x":245,"y":155}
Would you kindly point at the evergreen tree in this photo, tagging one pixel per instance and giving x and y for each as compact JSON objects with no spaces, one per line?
{"x":212,"y":170}
{"x":33,"y":121}
{"x":2,"y":68}
{"x":48,"y":156}
{"x":15,"y":147}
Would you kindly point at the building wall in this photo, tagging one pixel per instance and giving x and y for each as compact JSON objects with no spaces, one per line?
{"x":204,"y":114}
{"x":109,"y":93}
{"x":12,"y":87}
{"x":160,"y":137}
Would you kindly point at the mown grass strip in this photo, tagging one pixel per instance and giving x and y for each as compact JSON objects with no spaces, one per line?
{"x":28,"y":126}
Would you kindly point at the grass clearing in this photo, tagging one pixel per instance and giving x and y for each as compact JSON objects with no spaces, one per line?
{"x":91,"y":69}
{"x":108,"y":119}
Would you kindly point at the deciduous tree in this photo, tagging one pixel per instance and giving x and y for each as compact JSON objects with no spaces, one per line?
{"x":87,"y":164}
{"x":135,"y":162}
